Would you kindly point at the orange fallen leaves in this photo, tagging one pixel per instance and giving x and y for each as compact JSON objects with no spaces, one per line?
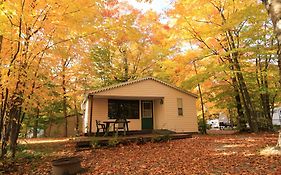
{"x":228,"y":154}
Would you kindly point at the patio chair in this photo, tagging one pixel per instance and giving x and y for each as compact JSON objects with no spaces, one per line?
{"x":99,"y":126}
{"x":120,"y":124}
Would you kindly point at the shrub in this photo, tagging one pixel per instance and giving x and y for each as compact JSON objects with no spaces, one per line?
{"x":95,"y":142}
{"x":203,"y":126}
{"x":24,"y":152}
{"x":161,"y":138}
{"x":140,"y":141}
{"x":113,"y":142}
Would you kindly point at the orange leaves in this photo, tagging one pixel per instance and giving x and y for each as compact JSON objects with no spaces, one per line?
{"x":213,"y":154}
{"x":108,"y":13}
{"x":166,"y":27}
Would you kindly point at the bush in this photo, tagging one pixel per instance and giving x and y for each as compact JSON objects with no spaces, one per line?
{"x":94,"y":142}
{"x":24,"y":152}
{"x":161,"y":138}
{"x":113,"y":142}
{"x":276,"y":128}
{"x":140,"y":141}
{"x":203,"y":126}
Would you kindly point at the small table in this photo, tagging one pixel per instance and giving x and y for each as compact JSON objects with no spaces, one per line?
{"x":108,"y":122}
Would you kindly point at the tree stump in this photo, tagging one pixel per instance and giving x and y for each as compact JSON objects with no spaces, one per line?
{"x":66,"y":166}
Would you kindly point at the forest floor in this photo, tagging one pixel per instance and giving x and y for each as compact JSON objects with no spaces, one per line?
{"x":210,"y":154}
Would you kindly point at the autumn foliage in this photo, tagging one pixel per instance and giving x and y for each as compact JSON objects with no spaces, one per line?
{"x":52,"y":52}
{"x":225,"y":154}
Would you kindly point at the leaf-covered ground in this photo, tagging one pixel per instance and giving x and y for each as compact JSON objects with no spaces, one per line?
{"x":227,"y":154}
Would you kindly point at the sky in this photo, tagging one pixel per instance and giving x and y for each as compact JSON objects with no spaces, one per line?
{"x":156,"y":5}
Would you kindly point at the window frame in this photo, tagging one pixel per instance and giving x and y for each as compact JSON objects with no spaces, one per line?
{"x":180,"y":106}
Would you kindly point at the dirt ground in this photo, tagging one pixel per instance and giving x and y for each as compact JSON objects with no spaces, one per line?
{"x":211,"y":154}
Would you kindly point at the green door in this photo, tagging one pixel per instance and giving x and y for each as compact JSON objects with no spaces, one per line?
{"x":147,"y":114}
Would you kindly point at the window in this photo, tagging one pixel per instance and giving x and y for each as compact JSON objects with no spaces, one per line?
{"x":128,"y":109}
{"x":180,"y":110}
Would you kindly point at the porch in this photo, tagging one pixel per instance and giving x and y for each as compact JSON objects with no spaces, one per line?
{"x":142,"y":113}
{"x":137,"y":137}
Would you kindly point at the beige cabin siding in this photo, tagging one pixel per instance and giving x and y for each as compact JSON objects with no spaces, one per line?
{"x":165,"y":115}
{"x":100,"y":112}
{"x":159,"y":115}
{"x":185,"y":123}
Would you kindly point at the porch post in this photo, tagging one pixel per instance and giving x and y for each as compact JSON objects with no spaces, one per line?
{"x":91,"y":114}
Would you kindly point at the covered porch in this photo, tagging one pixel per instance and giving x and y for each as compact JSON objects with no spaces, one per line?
{"x":142,"y":113}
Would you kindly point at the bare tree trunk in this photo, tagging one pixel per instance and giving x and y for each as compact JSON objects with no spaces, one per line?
{"x":1,"y":41}
{"x":16,"y":124}
{"x":125,"y":65}
{"x":64,"y":97}
{"x":239,"y":107}
{"x":36,"y":122}
{"x":65,"y":112}
{"x":279,"y":59}
{"x":241,"y":88}
{"x":77,"y":119}
{"x":204,"y":127}
{"x":274,"y":10}
{"x":5,"y":138}
{"x":50,"y":128}
{"x":248,"y":104}
{"x":2,"y":94}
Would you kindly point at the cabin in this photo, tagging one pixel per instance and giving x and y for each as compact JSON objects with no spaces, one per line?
{"x":147,"y":103}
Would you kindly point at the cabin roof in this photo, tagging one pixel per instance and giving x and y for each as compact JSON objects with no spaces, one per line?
{"x":140,"y":80}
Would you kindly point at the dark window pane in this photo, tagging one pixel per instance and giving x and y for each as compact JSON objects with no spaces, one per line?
{"x":180,"y":112}
{"x":128,"y":109}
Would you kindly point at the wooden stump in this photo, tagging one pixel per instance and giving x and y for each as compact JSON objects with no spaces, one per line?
{"x":66,"y":166}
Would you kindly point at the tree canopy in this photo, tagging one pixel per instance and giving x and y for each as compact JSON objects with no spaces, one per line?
{"x":52,"y":52}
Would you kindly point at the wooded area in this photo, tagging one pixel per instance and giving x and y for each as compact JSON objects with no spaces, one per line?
{"x":52,"y":52}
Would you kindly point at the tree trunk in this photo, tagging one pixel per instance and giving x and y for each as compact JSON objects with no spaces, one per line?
{"x":64,"y":66}
{"x":125,"y":65}
{"x":65,"y":112}
{"x":274,"y":10}
{"x":15,"y":132}
{"x":1,"y":41}
{"x":204,"y":127}
{"x":262,"y":82}
{"x":279,"y":59}
{"x":77,"y":120}
{"x":9,"y":126}
{"x":64,"y":106}
{"x":5,"y":138}
{"x":36,"y":122}
{"x":239,"y":107}
{"x":248,"y":105}
{"x":126,"y":69}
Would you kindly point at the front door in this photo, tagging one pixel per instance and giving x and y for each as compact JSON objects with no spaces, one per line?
{"x":147,"y":114}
